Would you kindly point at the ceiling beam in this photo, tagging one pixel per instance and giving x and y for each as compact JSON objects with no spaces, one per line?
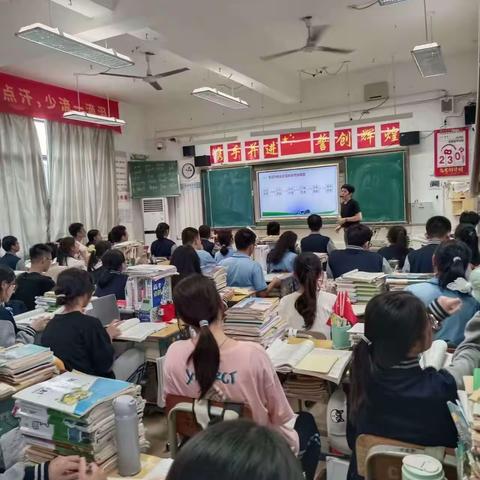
{"x":89,"y":8}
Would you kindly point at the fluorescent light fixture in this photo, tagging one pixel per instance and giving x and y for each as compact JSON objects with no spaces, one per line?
{"x":72,"y":45}
{"x":212,"y":141}
{"x":389,"y":2}
{"x":429,"y":60}
{"x":263,"y":133}
{"x":91,"y":118}
{"x":383,"y":118}
{"x":219,"y":97}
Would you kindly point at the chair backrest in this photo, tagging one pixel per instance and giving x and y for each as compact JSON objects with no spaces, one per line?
{"x":380,"y":458}
{"x":189,"y":416}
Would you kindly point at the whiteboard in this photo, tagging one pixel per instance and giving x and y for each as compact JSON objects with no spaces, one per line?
{"x":289,"y":193}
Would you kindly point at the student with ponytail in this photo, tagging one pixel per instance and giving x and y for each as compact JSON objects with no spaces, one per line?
{"x":466,"y":233}
{"x":225,"y":240}
{"x":282,"y":256}
{"x":450,"y":261}
{"x":391,"y":395}
{"x":97,"y":251}
{"x":214,"y":366}
{"x":398,"y":249}
{"x":309,"y":308}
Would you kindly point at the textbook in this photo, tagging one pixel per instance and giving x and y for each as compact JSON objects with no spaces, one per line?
{"x":136,"y":331}
{"x":304,"y":358}
{"x":400,"y":281}
{"x":361,"y":286}
{"x":218,"y":274}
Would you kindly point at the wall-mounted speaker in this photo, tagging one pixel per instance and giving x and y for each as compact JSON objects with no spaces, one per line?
{"x":189,"y":151}
{"x":409,"y":138}
{"x":202,"y":161}
{"x":470,"y":113}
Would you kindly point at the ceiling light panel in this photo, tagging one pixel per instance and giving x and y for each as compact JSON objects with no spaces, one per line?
{"x":429,"y":60}
{"x":221,"y":98}
{"x":91,"y":118}
{"x":389,"y":2}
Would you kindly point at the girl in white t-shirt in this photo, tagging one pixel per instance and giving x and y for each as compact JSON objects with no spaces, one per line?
{"x":309,"y":308}
{"x":67,"y":253}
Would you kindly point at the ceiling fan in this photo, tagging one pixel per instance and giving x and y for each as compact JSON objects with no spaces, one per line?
{"x":149,"y":78}
{"x":315,"y":32}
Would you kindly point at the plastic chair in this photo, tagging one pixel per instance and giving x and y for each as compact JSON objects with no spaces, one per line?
{"x":380,"y":458}
{"x":188,"y":416}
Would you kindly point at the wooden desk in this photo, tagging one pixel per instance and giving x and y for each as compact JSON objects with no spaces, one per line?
{"x":153,"y":468}
{"x":170,"y":329}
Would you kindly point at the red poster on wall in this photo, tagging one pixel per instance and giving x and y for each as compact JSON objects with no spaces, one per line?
{"x":216,"y":154}
{"x":451,"y":152}
{"x":343,"y":139}
{"x":321,"y":142}
{"x":295,"y":143}
{"x":390,"y":134}
{"x":234,"y":152}
{"x":270,"y":148}
{"x":252,"y":150}
{"x":21,"y":96}
{"x":366,"y":137}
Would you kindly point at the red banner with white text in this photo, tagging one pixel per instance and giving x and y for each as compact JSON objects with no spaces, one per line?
{"x":21,"y":96}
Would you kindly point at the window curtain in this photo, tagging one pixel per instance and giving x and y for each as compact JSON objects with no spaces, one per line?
{"x":82,"y":178}
{"x":23,"y":189}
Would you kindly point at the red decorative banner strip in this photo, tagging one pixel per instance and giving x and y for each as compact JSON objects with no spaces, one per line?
{"x":216,"y":154}
{"x":343,"y":139}
{"x":252,"y":150}
{"x":390,"y":133}
{"x":234,"y":152}
{"x":270,"y":148}
{"x":321,"y":142}
{"x":295,"y":143}
{"x":366,"y":137}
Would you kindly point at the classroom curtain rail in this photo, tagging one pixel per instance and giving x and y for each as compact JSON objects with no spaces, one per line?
{"x":23,"y":189}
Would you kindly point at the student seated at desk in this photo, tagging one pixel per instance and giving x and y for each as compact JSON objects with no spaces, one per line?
{"x":225,"y":240}
{"x":11,"y":246}
{"x":93,"y":236}
{"x":190,"y":236}
{"x":309,"y":308}
{"x":398,"y":249}
{"x":34,"y":283}
{"x":273,"y":232}
{"x":111,"y":278}
{"x":186,"y":260}
{"x":437,"y":231}
{"x":67,"y":254}
{"x":79,"y":340}
{"x":78,"y":232}
{"x":205,"y":233}
{"x":282,"y":257}
{"x":451,"y":261}
{"x":316,"y":242}
{"x":95,"y":264}
{"x":244,"y":272}
{"x":209,"y":455}
{"x":10,"y":332}
{"x":118,"y":234}
{"x":214,"y":366}
{"x":467,"y":234}
{"x":472,"y":218}
{"x":391,"y":395}
{"x":162,"y":246}
{"x":356,"y":254}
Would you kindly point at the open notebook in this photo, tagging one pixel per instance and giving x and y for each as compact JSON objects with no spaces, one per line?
{"x":136,"y":331}
{"x":304,"y":358}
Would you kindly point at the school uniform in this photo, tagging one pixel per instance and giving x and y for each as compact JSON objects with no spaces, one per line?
{"x":162,"y":247}
{"x":206,"y":260}
{"x":219,"y":256}
{"x":395,"y":252}
{"x":114,"y":284}
{"x":453,"y":328}
{"x":284,"y":265}
{"x":10,"y":332}
{"x":317,"y":243}
{"x":208,"y":246}
{"x":12,"y":261}
{"x":31,"y":285}
{"x":420,"y":261}
{"x":81,"y":342}
{"x":353,"y":257}
{"x":242,"y":271}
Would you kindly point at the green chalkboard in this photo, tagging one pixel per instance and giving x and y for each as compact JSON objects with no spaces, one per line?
{"x":380,"y":186}
{"x":227,"y":197}
{"x":153,"y":179}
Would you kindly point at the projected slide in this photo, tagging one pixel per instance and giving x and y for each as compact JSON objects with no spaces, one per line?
{"x":298,"y":192}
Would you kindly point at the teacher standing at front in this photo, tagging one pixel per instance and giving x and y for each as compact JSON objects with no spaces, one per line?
{"x":350,"y":213}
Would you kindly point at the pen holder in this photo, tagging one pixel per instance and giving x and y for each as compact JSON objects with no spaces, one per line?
{"x":340,"y":337}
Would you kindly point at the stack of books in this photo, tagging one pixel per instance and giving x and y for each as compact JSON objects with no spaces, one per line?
{"x":361,"y":286}
{"x":25,"y":365}
{"x":47,"y":302}
{"x":400,"y":281}
{"x":218,"y":274}
{"x":72,"y":414}
{"x":255,"y":319}
{"x":227,"y":294}
{"x":305,"y":387}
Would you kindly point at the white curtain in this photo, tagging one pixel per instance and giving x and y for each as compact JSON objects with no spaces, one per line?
{"x":82,"y":178}
{"x":23,"y":189}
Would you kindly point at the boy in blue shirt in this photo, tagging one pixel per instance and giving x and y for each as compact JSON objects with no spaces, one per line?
{"x":242,"y":271}
{"x":190,"y":236}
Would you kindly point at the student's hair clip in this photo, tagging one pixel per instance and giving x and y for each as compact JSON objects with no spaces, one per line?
{"x":365,"y":339}
{"x":203,"y":323}
{"x":61,"y":295}
{"x":456,"y":259}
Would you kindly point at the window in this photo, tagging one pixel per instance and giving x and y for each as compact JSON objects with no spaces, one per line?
{"x":41,"y":127}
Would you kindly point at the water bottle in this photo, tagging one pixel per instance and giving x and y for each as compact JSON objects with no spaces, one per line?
{"x":421,"y":467}
{"x":126,"y":426}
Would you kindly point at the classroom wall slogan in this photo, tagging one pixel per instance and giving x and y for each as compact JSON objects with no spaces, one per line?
{"x":304,"y":143}
{"x":451,"y":152}
{"x":21,"y":96}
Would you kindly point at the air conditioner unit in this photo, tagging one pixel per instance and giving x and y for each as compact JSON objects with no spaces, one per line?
{"x":155,"y":211}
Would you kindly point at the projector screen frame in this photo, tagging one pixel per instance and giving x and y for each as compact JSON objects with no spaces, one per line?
{"x":256,"y":190}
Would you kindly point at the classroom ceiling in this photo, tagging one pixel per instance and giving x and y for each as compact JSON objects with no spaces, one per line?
{"x":221,"y":41}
